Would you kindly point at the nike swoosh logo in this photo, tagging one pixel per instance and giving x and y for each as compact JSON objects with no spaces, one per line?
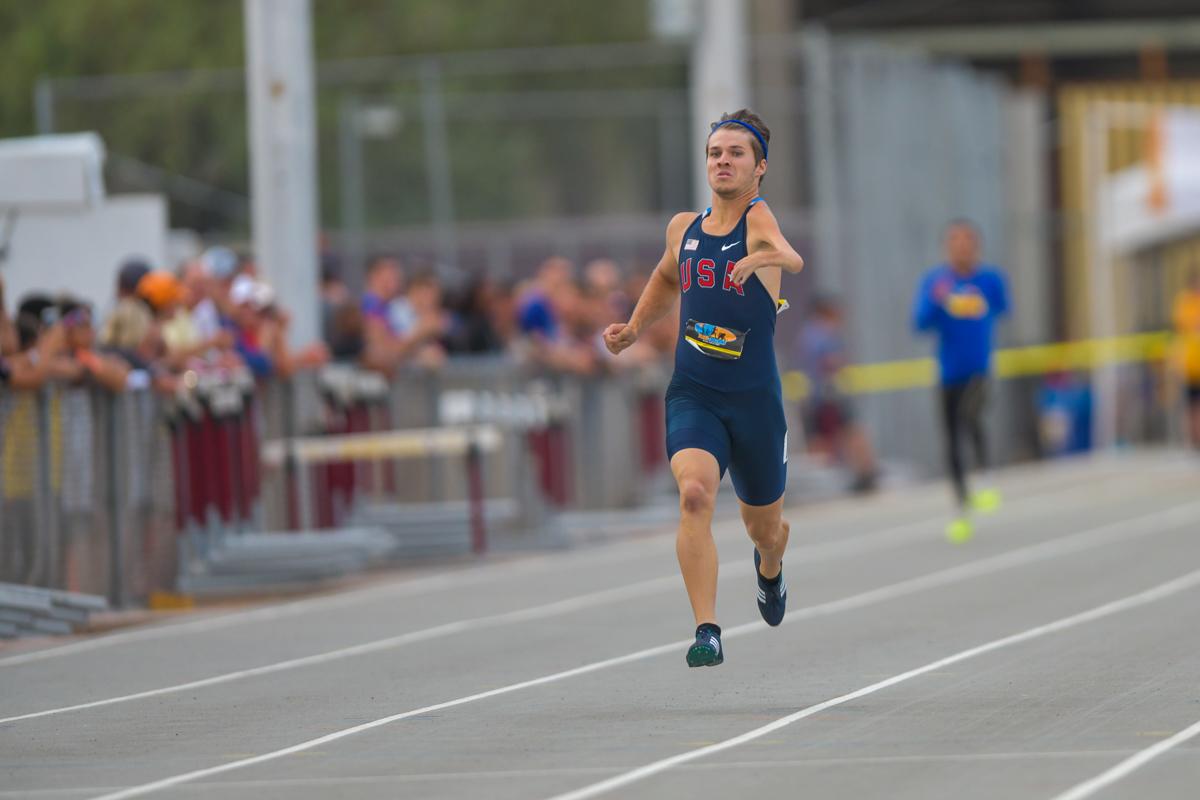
{"x":725,"y":247}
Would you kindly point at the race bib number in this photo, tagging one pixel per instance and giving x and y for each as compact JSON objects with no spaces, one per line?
{"x":715,"y":341}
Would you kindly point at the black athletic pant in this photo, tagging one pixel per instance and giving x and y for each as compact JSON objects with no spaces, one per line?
{"x":962,"y":415}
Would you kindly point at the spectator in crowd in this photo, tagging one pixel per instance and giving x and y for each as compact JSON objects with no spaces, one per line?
{"x":18,"y":369}
{"x":602,"y":283}
{"x":500,"y":307}
{"x":474,"y":328}
{"x":424,"y":300}
{"x":390,"y":339}
{"x":127,"y":329}
{"x":829,"y":418}
{"x":535,"y":304}
{"x":175,"y":328}
{"x":211,"y":279}
{"x":75,"y":353}
{"x":260,"y":330}
{"x":1187,"y":328}
{"x":576,"y":349}
{"x":334,"y":293}
{"x":553,"y":319}
{"x":346,"y":335}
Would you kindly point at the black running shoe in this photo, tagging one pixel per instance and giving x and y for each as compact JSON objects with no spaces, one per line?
{"x":706,"y":651}
{"x":772,"y":595}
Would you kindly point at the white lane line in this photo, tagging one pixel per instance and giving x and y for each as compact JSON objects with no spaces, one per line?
{"x":1136,"y":761}
{"x":1153,"y":523}
{"x":808,"y":555}
{"x":432,"y":583}
{"x":471,"y":576}
{"x":569,"y":772}
{"x":466,"y":577}
{"x":815,"y":553}
{"x":1160,"y":592}
{"x":438,"y":631}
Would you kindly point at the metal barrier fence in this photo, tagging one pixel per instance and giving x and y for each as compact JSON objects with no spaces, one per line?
{"x":125,"y":495}
{"x":85,"y":492}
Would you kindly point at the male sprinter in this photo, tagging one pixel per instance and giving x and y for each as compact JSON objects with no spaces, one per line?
{"x":724,"y":404}
{"x":960,"y":301}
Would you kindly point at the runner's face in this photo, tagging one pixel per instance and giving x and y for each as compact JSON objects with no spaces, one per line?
{"x":962,"y":247}
{"x":731,"y":164}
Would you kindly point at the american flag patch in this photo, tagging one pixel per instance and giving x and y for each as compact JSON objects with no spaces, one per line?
{"x":691,"y":244}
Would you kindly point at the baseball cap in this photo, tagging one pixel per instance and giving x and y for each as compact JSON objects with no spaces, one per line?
{"x":160,"y":288}
{"x":248,"y":291}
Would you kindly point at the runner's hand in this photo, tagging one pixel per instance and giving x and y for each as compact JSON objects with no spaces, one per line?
{"x":743,"y":269}
{"x":619,"y":336}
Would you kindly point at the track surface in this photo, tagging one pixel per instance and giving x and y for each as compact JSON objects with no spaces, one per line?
{"x":907,"y":668}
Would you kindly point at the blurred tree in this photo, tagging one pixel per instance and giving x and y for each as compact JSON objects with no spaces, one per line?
{"x":186,"y":127}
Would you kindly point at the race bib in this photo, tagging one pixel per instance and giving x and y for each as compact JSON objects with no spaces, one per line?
{"x":714,"y":340}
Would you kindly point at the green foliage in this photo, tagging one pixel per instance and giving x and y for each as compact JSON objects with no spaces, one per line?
{"x":189,"y":125}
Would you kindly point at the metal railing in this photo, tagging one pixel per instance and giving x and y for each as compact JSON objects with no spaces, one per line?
{"x":86,"y":491}
{"x":125,"y":495}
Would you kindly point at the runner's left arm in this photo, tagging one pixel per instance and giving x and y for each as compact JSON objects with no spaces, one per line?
{"x":765,"y":245}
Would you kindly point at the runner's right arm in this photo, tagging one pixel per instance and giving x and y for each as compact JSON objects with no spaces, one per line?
{"x":659,"y":296}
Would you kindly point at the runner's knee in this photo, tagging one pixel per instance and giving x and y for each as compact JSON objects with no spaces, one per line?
{"x":695,"y":497}
{"x":769,"y":534}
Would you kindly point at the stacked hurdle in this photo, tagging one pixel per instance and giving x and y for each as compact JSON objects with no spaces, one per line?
{"x":30,"y":611}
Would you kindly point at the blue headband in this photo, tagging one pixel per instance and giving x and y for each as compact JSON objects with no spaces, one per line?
{"x":745,"y":125}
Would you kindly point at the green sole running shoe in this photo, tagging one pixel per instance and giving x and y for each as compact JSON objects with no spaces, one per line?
{"x":985,"y":501}
{"x":960,"y":530}
{"x":706,"y":651}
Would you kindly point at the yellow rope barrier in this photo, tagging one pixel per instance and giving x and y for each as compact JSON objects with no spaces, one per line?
{"x":916,"y":373}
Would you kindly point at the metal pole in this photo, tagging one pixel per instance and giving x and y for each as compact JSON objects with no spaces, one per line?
{"x":43,"y":105}
{"x":475,"y":487}
{"x":48,"y":505}
{"x":831,"y":272}
{"x":280,"y":92}
{"x":719,"y":77}
{"x":437,"y":157}
{"x":351,"y":185}
{"x":116,"y":537}
{"x":1100,"y":280}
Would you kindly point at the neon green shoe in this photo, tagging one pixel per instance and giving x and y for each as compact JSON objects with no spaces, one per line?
{"x":985,"y":501}
{"x":960,"y":530}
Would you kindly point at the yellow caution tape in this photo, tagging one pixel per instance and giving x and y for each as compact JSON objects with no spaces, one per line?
{"x":916,"y":373}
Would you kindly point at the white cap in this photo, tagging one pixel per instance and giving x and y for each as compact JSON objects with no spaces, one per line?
{"x":248,"y":291}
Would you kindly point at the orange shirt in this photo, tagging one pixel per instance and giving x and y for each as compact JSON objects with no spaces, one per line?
{"x":1187,"y":327}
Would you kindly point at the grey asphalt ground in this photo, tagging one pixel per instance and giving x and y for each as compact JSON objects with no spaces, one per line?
{"x":875,"y":592}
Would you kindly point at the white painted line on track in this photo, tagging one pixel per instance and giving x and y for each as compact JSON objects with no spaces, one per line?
{"x":815,"y":553}
{"x":1136,"y":761}
{"x":1111,"y":532}
{"x":568,"y":772}
{"x":1160,"y":592}
{"x":485,"y":573}
{"x":438,"y":631}
{"x":812,"y":554}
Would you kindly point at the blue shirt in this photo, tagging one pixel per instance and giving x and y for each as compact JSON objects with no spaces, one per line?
{"x":963,"y":320}
{"x":536,"y":315}
{"x":375,"y":307}
{"x":709,"y":297}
